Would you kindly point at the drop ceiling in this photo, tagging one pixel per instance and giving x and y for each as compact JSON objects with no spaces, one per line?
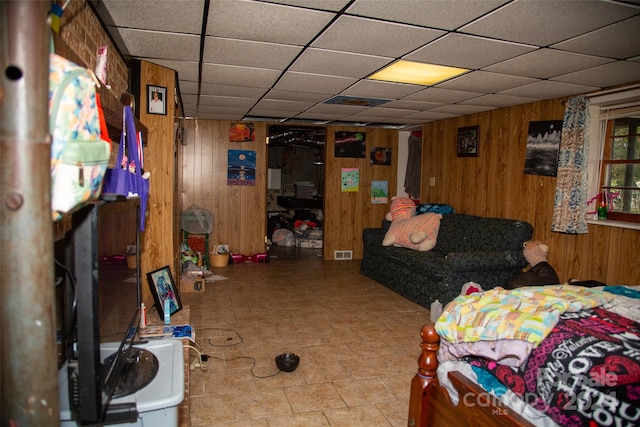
{"x":307,"y":61}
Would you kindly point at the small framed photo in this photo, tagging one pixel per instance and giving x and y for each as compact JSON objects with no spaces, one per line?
{"x":468,"y":141}
{"x":156,"y":100}
{"x":163,"y":289}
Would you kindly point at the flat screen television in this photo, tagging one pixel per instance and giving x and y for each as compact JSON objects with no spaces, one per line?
{"x":97,"y":303}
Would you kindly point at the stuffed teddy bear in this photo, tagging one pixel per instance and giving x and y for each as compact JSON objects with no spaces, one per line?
{"x":540,"y":273}
{"x":408,"y":230}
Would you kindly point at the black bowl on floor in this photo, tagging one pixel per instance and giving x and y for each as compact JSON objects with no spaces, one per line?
{"x":287,"y":362}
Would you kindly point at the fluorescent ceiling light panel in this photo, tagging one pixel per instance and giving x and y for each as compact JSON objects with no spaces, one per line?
{"x":416,"y":73}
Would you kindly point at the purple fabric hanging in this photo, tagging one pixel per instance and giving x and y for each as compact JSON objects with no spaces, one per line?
{"x":125,"y":178}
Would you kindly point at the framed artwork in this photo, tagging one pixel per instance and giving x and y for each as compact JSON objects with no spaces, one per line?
{"x":543,"y":147}
{"x":156,"y":100}
{"x":380,"y":156}
{"x":241,"y":132}
{"x":163,"y":289}
{"x":350,"y":179}
{"x":350,"y":144}
{"x":379,"y":192}
{"x":241,"y":167}
{"x":468,"y":141}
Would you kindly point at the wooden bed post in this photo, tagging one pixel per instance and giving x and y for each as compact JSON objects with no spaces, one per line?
{"x":427,"y":367}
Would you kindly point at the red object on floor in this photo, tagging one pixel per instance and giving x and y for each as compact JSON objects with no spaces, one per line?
{"x":239,"y":258}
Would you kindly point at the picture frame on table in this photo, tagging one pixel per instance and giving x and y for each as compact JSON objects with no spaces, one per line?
{"x":468,"y":140}
{"x":163,"y":288}
{"x":156,"y":100}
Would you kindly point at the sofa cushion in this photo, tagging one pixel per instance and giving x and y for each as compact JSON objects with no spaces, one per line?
{"x":468,"y":233}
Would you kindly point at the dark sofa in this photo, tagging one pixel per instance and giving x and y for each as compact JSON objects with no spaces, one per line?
{"x":469,"y":249}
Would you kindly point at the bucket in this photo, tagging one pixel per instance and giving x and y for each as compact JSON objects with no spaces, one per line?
{"x":132,"y":261}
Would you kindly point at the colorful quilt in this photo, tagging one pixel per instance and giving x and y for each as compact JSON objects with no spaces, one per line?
{"x":585,"y":373}
{"x":526,"y":314}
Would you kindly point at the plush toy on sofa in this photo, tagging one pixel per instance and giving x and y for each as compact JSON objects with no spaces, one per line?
{"x":408,"y":230}
{"x":540,"y":273}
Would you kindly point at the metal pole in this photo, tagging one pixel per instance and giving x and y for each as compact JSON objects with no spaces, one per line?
{"x":29,"y":379}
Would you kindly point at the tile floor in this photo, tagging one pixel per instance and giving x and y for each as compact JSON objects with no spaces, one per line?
{"x":358,"y":344}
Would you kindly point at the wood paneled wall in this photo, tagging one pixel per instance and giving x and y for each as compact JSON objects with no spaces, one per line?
{"x":494,"y":184}
{"x":240,"y":211}
{"x":346,"y":214}
{"x":159,"y":244}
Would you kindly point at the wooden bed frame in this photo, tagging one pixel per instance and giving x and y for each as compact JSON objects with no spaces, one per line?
{"x":430,"y":405}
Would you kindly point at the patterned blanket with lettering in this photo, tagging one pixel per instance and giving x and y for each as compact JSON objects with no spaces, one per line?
{"x":586,"y":372}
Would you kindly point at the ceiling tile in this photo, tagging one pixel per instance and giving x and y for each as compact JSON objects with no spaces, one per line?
{"x":332,"y":5}
{"x":336,"y":109}
{"x":305,"y":82}
{"x":164,"y":17}
{"x":460,"y":109}
{"x":345,"y":64}
{"x":226,"y":101}
{"x":384,"y":112}
{"x":359,"y":35}
{"x":442,"y":96}
{"x":248,"y":53}
{"x":482,"y":81}
{"x":266,"y":22}
{"x":237,"y":111}
{"x":230,"y":90}
{"x":498,"y":101}
{"x":239,"y":76}
{"x":459,"y":50}
{"x":319,"y":116}
{"x":431,"y":115}
{"x":188,"y":87}
{"x":285,"y":58}
{"x":187,"y":70}
{"x":546,"y":63}
{"x":289,"y":95}
{"x":220,"y":115}
{"x":156,"y":44}
{"x":606,"y":75}
{"x":545,"y":89}
{"x":411,"y":105}
{"x":188,"y":99}
{"x":280,"y":105}
{"x":618,"y":41}
{"x":543,"y":22}
{"x":445,"y":14}
{"x":271,"y":112}
{"x":380,"y":89}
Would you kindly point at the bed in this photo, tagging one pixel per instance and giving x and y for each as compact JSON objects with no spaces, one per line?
{"x":538,"y":356}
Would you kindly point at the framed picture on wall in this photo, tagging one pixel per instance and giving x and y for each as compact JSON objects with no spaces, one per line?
{"x":468,"y":141}
{"x":156,"y":100}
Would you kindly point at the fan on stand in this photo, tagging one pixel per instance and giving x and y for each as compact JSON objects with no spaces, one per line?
{"x":197,"y":226}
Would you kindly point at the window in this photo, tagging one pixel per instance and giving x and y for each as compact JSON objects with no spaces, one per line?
{"x":620,"y":166}
{"x":614,"y":155}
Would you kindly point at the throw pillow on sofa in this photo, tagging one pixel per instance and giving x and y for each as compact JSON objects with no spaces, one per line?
{"x":418,"y":232}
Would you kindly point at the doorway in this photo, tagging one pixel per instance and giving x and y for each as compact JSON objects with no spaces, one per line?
{"x":295,"y":191}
